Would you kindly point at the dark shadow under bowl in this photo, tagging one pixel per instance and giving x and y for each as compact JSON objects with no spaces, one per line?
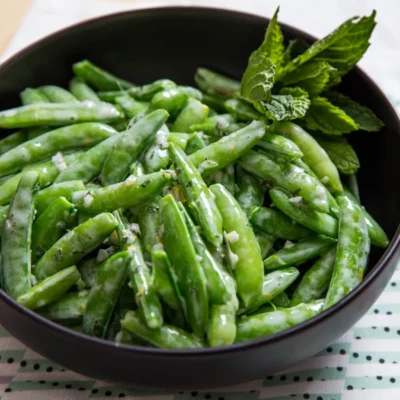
{"x":171,"y":43}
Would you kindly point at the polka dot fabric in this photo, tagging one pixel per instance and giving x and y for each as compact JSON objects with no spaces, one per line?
{"x":362,"y":365}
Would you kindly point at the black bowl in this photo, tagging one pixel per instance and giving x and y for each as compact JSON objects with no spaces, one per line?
{"x":170,"y":43}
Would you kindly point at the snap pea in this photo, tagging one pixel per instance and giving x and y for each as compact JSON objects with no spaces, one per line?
{"x":98,"y":77}
{"x":352,"y":252}
{"x":16,"y":238}
{"x":16,"y":138}
{"x":131,"y":107}
{"x":304,"y":215}
{"x":273,"y":222}
{"x":190,"y":276}
{"x":179,"y":139}
{"x":259,"y":325}
{"x":33,"y":96}
{"x":63,"y":139}
{"x":280,"y":146}
{"x":55,"y":114}
{"x":50,"y":226}
{"x":266,"y":243}
{"x":156,"y":156}
{"x":225,"y":177}
{"x":120,"y":125}
{"x":88,"y":270}
{"x":149,"y":222}
{"x":57,"y":94}
{"x":281,"y":300}
{"x":288,"y":176}
{"x":299,"y":253}
{"x":3,"y":217}
{"x":214,"y":83}
{"x":81,"y":90}
{"x":75,"y":245}
{"x":214,"y":125}
{"x":191,"y":92}
{"x":104,"y":294}
{"x":137,"y":169}
{"x":242,"y":110}
{"x":315,"y":281}
{"x":313,"y":154}
{"x":250,"y":192}
{"x":200,"y":199}
{"x":214,"y":102}
{"x":147,"y":92}
{"x":171,"y":100}
{"x":377,"y":235}
{"x":244,"y":254}
{"x":132,"y":192}
{"x":195,"y":112}
{"x":222,"y":327}
{"x":51,"y":289}
{"x":194,"y":143}
{"x":167,"y":336}
{"x":228,"y":149}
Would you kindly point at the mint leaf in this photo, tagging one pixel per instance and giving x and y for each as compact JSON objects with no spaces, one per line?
{"x":294,"y":49}
{"x":341,"y":153}
{"x":259,"y":77}
{"x":325,"y":117}
{"x":342,"y":48}
{"x":362,"y":115}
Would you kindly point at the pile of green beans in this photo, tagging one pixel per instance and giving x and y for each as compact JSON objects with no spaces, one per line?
{"x":168,"y":216}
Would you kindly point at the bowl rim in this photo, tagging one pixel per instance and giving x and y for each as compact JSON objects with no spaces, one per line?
{"x":388,"y":256}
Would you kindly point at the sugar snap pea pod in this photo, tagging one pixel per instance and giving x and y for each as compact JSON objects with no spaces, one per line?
{"x":120,"y":125}
{"x":57,"y":94}
{"x":352,"y":252}
{"x":225,"y":177}
{"x":280,"y":146}
{"x":149,"y":222}
{"x":147,"y":92}
{"x":171,"y":100}
{"x":376,"y":234}
{"x":313,"y":154}
{"x":5,"y":178}
{"x":245,"y":254}
{"x":73,"y":246}
{"x":304,"y":215}
{"x":190,"y":276}
{"x":13,"y":140}
{"x":179,"y":139}
{"x":62,"y":139}
{"x":228,"y":149}
{"x":259,"y":325}
{"x":51,"y":289}
{"x":82,"y":91}
{"x":195,"y":112}
{"x":273,"y":222}
{"x":33,"y":96}
{"x":214,"y":83}
{"x":88,"y":270}
{"x":167,"y":336}
{"x":266,"y":243}
{"x":137,"y":168}
{"x":214,"y":102}
{"x":104,"y":294}
{"x":50,"y":226}
{"x":218,"y":291}
{"x":130,"y":193}
{"x":68,"y":310}
{"x":156,"y":156}
{"x":191,"y":92}
{"x":98,"y":77}
{"x":281,"y":300}
{"x":194,"y":143}
{"x":200,"y":199}
{"x":315,"y":281}
{"x":64,"y":189}
{"x":250,"y":192}
{"x":214,"y":125}
{"x":222,"y":328}
{"x":3,"y":217}
{"x":56,"y":114}
{"x":288,"y":176}
{"x":131,"y":107}
{"x":242,"y":110}
{"x":130,"y":144}
{"x":299,"y":253}
{"x":16,"y":238}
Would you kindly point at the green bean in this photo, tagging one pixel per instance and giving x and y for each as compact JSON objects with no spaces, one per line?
{"x":259,"y":325}
{"x":130,"y":193}
{"x":156,"y":156}
{"x":200,"y":199}
{"x":16,"y":239}
{"x":314,"y":154}
{"x":228,"y":149}
{"x":244,"y":251}
{"x":315,"y":281}
{"x":280,"y":146}
{"x":51,"y":289}
{"x":167,"y":336}
{"x":250,"y":192}
{"x":13,"y":140}
{"x":68,"y":310}
{"x":216,"y":84}
{"x":64,"y":189}
{"x":281,"y":300}
{"x":190,"y":276}
{"x":288,"y":176}
{"x":131,"y":107}
{"x":99,"y":78}
{"x":194,"y":112}
{"x":194,"y":143}
{"x":57,"y":94}
{"x":171,"y":100}
{"x":50,"y":226}
{"x":304,"y":215}
{"x":352,"y":252}
{"x":32,"y":96}
{"x":266,"y":243}
{"x":104,"y":294}
{"x":48,"y":144}
{"x":3,"y":217}
{"x":75,"y":245}
{"x":82,"y":91}
{"x":377,"y":235}
{"x":242,"y":110}
{"x":149,"y":222}
{"x":191,"y":92}
{"x":222,"y":327}
{"x":215,"y":125}
{"x":275,"y":223}
{"x":147,"y":92}
{"x":299,"y":252}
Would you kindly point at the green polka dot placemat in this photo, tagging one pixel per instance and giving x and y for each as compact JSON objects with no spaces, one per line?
{"x":362,"y":365}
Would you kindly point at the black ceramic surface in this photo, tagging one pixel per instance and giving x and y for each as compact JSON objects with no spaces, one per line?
{"x":170,"y":43}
